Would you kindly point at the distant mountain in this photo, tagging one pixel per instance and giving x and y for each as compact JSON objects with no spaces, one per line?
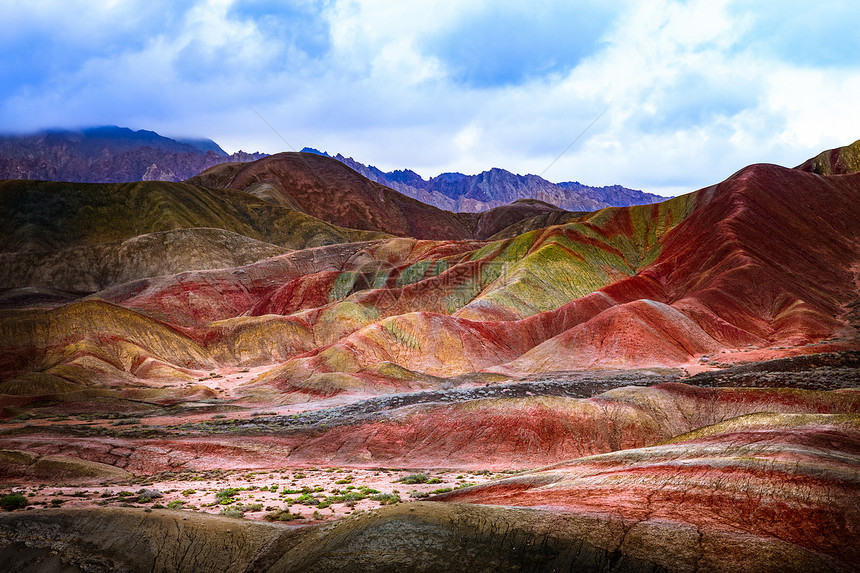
{"x":614,"y":195}
{"x":458,"y":192}
{"x":109,"y":154}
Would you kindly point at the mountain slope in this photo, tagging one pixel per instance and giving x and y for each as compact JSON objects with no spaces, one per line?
{"x":47,"y":216}
{"x":738,"y":271}
{"x":840,"y":161}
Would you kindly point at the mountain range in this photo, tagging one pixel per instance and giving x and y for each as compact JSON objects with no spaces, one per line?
{"x":661,"y":387}
{"x":108,"y":154}
{"x":111,"y":154}
{"x":474,"y":193}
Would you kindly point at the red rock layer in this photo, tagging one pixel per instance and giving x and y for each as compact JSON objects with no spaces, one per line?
{"x":509,"y":433}
{"x":788,"y":477}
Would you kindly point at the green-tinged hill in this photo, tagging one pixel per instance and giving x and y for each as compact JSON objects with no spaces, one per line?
{"x":49,"y":216}
{"x":839,"y":161}
{"x":90,"y":268}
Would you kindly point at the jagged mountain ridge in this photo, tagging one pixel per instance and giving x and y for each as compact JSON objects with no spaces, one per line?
{"x":109,"y":154}
{"x":474,"y":193}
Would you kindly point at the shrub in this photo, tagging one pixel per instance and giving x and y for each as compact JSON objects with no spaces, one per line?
{"x":231,"y":512}
{"x":306,"y":499}
{"x":175,"y":504}
{"x":386,"y":498}
{"x":305,"y":489}
{"x":413,"y":479}
{"x":440,"y":490}
{"x":145,"y":495}
{"x":13,"y":501}
{"x":248,"y":506}
{"x":282,"y":515}
{"x":226,"y":495}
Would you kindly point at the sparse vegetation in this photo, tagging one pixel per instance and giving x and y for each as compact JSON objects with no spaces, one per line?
{"x":226,"y":496}
{"x":412,"y":479}
{"x":386,"y":498}
{"x":282,"y":515}
{"x":13,"y":501}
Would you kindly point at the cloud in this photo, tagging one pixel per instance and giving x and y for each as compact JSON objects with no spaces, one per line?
{"x":689,"y":91}
{"x":507,"y":43}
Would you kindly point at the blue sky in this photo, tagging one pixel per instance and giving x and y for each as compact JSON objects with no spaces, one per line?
{"x":689,"y":91}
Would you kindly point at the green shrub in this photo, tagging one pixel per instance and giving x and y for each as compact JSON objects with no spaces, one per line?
{"x":231,"y":512}
{"x":306,"y":499}
{"x":413,"y":479}
{"x":175,"y":504}
{"x":440,"y":490}
{"x":13,"y":501}
{"x":386,"y":498}
{"x":247,"y":507}
{"x":226,"y":495}
{"x":282,"y":515}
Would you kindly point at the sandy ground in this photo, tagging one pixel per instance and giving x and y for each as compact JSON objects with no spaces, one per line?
{"x":295,"y":495}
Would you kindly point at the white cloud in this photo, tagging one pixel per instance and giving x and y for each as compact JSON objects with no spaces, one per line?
{"x":691,"y":91}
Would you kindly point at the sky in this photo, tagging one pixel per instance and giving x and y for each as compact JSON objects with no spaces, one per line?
{"x":667,"y":96}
